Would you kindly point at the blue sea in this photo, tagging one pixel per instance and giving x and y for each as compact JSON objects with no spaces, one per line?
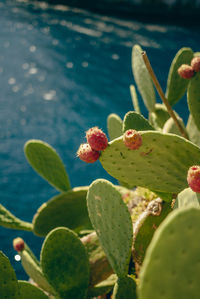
{"x":62,"y":71}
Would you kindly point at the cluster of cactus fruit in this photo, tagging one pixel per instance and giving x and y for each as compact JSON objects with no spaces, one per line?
{"x":138,"y":239}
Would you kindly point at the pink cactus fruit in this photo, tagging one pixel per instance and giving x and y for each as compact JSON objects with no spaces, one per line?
{"x":18,"y":244}
{"x":195,"y":63}
{"x":97,"y":139}
{"x":87,"y":154}
{"x":193,"y":178}
{"x":185,"y":71}
{"x":132,"y":139}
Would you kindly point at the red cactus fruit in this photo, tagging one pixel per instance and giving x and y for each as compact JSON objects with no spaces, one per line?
{"x":87,"y":154}
{"x":132,"y":139}
{"x":195,"y":64}
{"x":97,"y":139}
{"x":18,"y":244}
{"x":185,"y":71}
{"x":193,"y":178}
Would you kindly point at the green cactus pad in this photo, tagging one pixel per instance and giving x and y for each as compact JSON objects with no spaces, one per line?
{"x":103,"y":287}
{"x":147,"y":225}
{"x":187,"y":198}
{"x":171,"y":265}
{"x":171,"y":127}
{"x":33,"y":269}
{"x":67,"y":209}
{"x":8,"y":220}
{"x":112,"y":222}
{"x":160,"y":164}
{"x":159,"y":116}
{"x":142,"y":78}
{"x":8,"y":282}
{"x":193,"y":132}
{"x":46,"y":162}
{"x":100,"y":268}
{"x":176,"y":86}
{"x":134,"y":120}
{"x":114,"y":125}
{"x":65,"y":263}
{"x":193,"y":97}
{"x":29,"y":291}
{"x":134,"y":99}
{"x":125,"y":288}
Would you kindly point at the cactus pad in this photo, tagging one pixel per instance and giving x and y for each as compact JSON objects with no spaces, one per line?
{"x":46,"y":162}
{"x":29,"y":291}
{"x":114,"y":125}
{"x":100,"y":268}
{"x":187,"y":198}
{"x":193,"y":97}
{"x":33,"y":269}
{"x":8,"y":282}
{"x":160,"y":164}
{"x":134,"y":99}
{"x":65,"y":263}
{"x":193,"y":132}
{"x":125,"y":288}
{"x":159,"y":116}
{"x":67,"y":209}
{"x":8,"y":220}
{"x":112,"y":222}
{"x":142,"y":78}
{"x":103,"y":287}
{"x":171,"y":265}
{"x":176,"y":86}
{"x":134,"y":120}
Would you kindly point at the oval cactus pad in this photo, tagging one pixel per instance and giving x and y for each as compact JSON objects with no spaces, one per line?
{"x":160,"y":164}
{"x":142,"y":78}
{"x":8,"y":281}
{"x":193,"y":97}
{"x":67,"y":209}
{"x":65,"y":263}
{"x":176,"y":86}
{"x":29,"y":291}
{"x":112,"y":222}
{"x":46,"y":162}
{"x":171,"y":267}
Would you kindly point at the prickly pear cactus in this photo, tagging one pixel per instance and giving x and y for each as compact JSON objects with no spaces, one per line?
{"x":64,"y":261}
{"x":143,"y":79}
{"x":134,"y":99}
{"x":125,"y":287}
{"x":144,"y":167}
{"x":8,"y":220}
{"x":187,"y":198}
{"x":102,"y":287}
{"x":33,"y":269}
{"x":171,"y":265}
{"x":193,"y":132}
{"x":146,"y":225}
{"x":159,"y":116}
{"x":8,"y":281}
{"x":193,"y":97}
{"x":134,"y":120}
{"x":67,"y":209}
{"x":29,"y":291}
{"x":176,"y":86}
{"x":112,"y":222}
{"x":44,"y":160}
{"x":114,"y":125}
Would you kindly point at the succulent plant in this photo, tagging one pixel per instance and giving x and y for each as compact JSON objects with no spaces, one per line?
{"x":135,"y":240}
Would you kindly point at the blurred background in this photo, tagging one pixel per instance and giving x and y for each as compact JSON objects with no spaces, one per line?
{"x":64,"y":69}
